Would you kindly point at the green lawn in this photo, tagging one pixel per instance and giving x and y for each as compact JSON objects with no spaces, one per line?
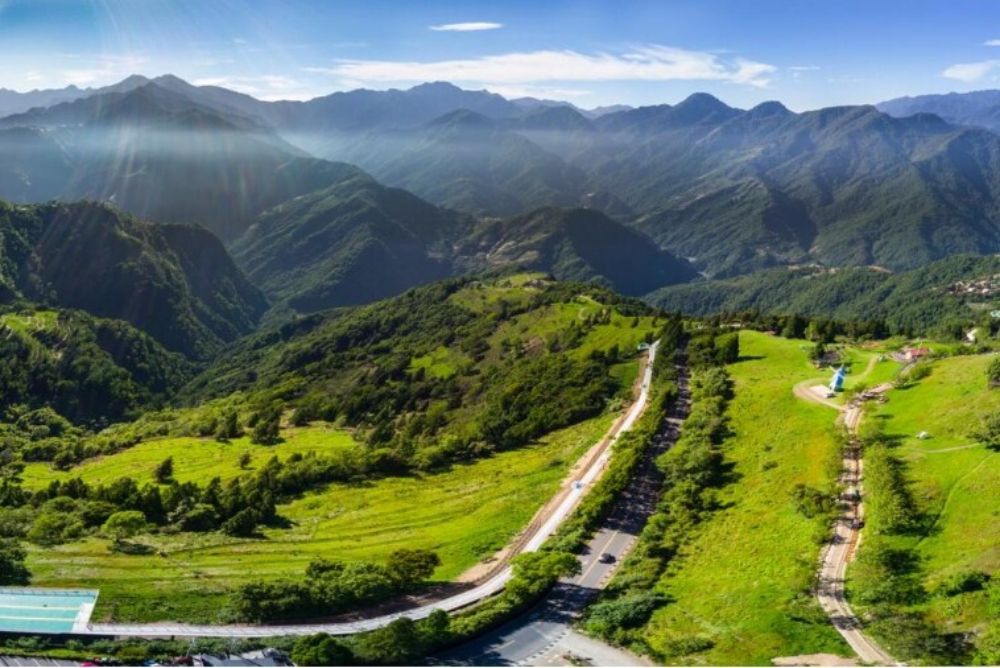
{"x":739,"y":583}
{"x":955,"y":481}
{"x":464,"y":514}
{"x":195,"y":459}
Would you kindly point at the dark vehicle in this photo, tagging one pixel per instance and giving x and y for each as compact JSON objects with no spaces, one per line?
{"x":607,"y":558}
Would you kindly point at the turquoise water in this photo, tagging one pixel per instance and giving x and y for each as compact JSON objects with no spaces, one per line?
{"x":41,"y":611}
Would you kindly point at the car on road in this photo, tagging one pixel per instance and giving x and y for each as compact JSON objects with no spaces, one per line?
{"x":607,"y":558}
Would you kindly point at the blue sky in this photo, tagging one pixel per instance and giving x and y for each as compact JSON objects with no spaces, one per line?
{"x":806,"y":53}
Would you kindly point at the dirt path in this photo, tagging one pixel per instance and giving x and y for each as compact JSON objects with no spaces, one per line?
{"x":841,"y":549}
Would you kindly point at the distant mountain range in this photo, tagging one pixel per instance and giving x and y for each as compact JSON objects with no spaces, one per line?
{"x":458,"y":181}
{"x":977,"y":109}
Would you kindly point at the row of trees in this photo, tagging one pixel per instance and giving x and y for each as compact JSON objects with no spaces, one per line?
{"x":692,"y":470}
{"x":330,"y":587}
{"x":887,"y":577}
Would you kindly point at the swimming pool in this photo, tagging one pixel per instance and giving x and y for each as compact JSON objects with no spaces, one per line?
{"x":38,"y":610}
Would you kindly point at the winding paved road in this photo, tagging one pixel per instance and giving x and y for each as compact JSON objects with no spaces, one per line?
{"x":846,"y":535}
{"x":570,"y":495}
{"x":543,"y":636}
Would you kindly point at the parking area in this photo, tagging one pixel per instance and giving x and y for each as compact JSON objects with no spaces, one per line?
{"x":37,"y":610}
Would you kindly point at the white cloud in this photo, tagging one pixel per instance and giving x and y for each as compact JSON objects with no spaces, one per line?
{"x":542,"y":93}
{"x":646,"y":63}
{"x":468,"y":26}
{"x":969,"y":72}
{"x":100,"y":70}
{"x":267,"y":87}
{"x":992,"y":42}
{"x":804,"y":68}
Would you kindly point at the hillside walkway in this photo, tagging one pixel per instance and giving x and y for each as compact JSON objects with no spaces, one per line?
{"x":841,"y":549}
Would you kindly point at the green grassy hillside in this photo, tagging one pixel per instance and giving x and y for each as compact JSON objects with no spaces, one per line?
{"x":464,"y":514}
{"x":440,"y":420}
{"x":954,"y":484}
{"x":737,"y":592}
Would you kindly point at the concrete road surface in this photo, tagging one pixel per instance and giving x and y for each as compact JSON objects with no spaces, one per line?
{"x":543,"y":635}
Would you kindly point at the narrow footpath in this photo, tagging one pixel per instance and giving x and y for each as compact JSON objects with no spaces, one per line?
{"x":841,"y":549}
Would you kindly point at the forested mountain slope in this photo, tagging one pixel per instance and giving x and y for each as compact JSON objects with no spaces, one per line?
{"x":89,"y":370}
{"x":943,"y":297}
{"x":574,"y":245}
{"x":174,"y":282}
{"x":980,"y":108}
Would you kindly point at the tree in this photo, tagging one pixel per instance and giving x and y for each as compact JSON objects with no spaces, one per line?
{"x":245,"y":459}
{"x":321,"y":650}
{"x":397,"y":644}
{"x":436,"y":629}
{"x":993,"y":372}
{"x":267,"y":427}
{"x":124,"y":525}
{"x":727,"y":348}
{"x":243,"y":523}
{"x":988,"y":431}
{"x":534,"y":572}
{"x":229,"y":426}
{"x":409,"y":567}
{"x":164,"y":471}
{"x":12,"y":568}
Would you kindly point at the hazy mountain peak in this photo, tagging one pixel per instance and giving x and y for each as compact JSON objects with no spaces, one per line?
{"x":702,"y":107}
{"x":463,"y":119}
{"x":769,"y":109}
{"x":436,"y":86}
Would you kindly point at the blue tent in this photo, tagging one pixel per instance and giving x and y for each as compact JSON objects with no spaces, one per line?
{"x":837,"y":382}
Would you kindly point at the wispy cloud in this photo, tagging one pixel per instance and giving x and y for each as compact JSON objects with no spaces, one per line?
{"x":646,"y":63}
{"x":268,"y":87}
{"x":969,"y":72}
{"x":804,"y":68}
{"x":101,"y":70}
{"x":992,"y":42}
{"x":468,"y":26}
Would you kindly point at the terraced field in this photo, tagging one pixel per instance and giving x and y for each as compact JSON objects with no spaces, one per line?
{"x":464,"y":514}
{"x":195,"y":459}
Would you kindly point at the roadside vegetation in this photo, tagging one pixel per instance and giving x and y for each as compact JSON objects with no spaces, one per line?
{"x":723,"y":572}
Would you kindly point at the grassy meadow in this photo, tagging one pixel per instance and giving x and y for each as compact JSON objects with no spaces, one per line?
{"x":195,"y":459}
{"x":740,"y":584}
{"x":465,"y":514}
{"x":954,"y":481}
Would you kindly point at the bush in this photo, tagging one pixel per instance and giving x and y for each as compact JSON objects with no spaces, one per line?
{"x":993,"y":372}
{"x":244,"y":523}
{"x":628,"y":612}
{"x":12,"y":568}
{"x":124,"y":525}
{"x":962,"y":583}
{"x":321,"y":650}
